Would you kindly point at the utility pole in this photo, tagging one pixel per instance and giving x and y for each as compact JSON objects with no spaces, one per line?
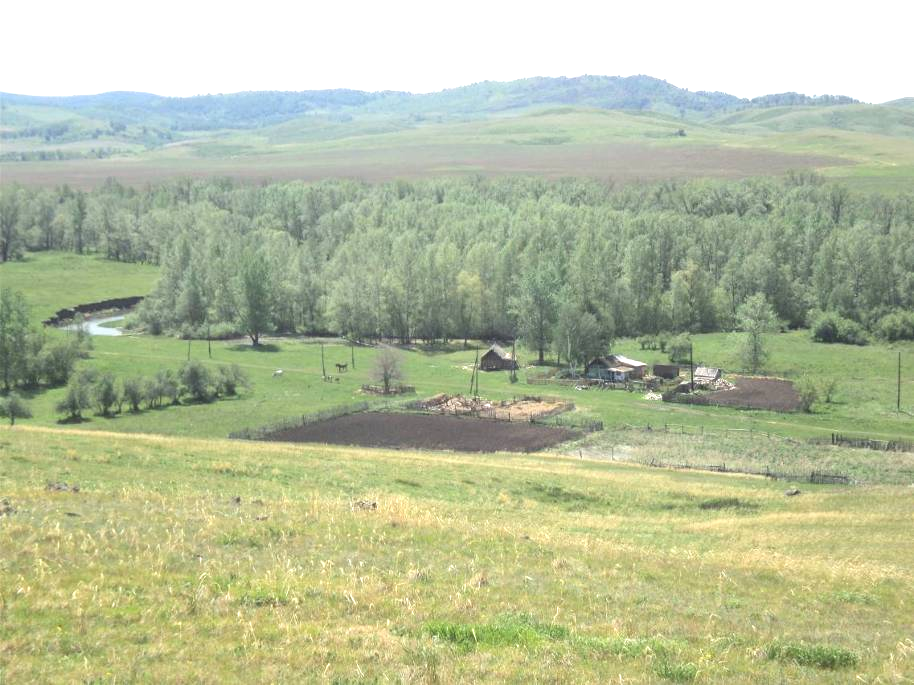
{"x":323,"y":370}
{"x":898,"y":401}
{"x":352,"y":352}
{"x":209,"y":343}
{"x":691,"y":370}
{"x":188,"y":350}
{"x":514,"y":359}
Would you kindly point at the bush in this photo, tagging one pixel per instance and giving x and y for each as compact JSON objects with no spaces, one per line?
{"x":808,"y":393}
{"x":229,"y":379}
{"x":898,"y":325}
{"x":163,"y":386}
{"x":13,"y":407}
{"x":196,"y":381}
{"x":830,"y":327}
{"x":680,"y":348}
{"x":77,"y":397}
{"x":132,"y":391}
{"x":105,"y":394}
{"x":58,"y":361}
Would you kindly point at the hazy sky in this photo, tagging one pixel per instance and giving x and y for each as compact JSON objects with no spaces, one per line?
{"x":862,"y":49}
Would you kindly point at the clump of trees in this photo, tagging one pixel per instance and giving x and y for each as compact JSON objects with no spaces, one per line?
{"x":451,"y":259}
{"x":28,"y":358}
{"x":107,"y":395}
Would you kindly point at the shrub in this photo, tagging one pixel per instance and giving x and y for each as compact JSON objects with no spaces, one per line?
{"x":229,"y":379}
{"x":679,"y":348}
{"x":132,"y":391}
{"x":830,"y":327}
{"x":77,"y":397}
{"x":58,"y":361}
{"x":105,"y":394}
{"x":808,"y":393}
{"x":898,"y":325}
{"x":13,"y":407}
{"x":163,"y":386}
{"x":196,"y":381}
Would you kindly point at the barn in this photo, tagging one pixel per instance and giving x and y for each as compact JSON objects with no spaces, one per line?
{"x":497,"y":359}
{"x":668,"y":371}
{"x":616,"y":368}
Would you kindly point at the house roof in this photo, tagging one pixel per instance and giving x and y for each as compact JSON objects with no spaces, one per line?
{"x":707,"y":372}
{"x":625,"y":361}
{"x":500,"y":351}
{"x":616,"y":362}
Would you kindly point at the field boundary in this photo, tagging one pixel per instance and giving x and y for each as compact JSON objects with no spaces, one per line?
{"x":839,"y":439}
{"x":814,"y":477}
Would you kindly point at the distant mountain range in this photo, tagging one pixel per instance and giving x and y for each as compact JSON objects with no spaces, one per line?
{"x":264,"y":108}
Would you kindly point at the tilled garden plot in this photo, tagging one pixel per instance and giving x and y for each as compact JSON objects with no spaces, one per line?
{"x":751,"y":393}
{"x":422,"y":431}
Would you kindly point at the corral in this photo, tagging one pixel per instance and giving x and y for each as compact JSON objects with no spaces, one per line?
{"x":422,"y":431}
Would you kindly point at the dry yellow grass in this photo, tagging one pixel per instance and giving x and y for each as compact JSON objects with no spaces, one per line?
{"x":493,"y":567}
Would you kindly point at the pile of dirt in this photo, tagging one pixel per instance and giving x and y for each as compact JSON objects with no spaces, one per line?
{"x":521,"y":409}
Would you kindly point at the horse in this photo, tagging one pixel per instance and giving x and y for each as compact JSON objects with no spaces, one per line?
{"x":278,"y":373}
{"x":341,"y":367}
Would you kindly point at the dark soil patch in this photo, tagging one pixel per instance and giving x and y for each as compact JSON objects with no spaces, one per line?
{"x":752,"y":393}
{"x":421,"y":431}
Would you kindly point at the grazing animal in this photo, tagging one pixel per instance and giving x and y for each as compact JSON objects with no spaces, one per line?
{"x":341,"y":367}
{"x":276,"y":373}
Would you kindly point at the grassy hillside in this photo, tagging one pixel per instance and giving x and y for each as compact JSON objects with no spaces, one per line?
{"x":603,"y":127}
{"x":190,"y":560}
{"x":54,"y":280}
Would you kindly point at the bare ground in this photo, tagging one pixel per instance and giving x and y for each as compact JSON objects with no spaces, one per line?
{"x":422,"y":431}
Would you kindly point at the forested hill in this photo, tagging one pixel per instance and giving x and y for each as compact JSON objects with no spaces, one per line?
{"x":254,"y":109}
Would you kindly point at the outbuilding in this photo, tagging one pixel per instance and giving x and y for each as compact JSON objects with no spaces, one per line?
{"x":668,"y":371}
{"x":497,"y":358}
{"x":615,"y":368}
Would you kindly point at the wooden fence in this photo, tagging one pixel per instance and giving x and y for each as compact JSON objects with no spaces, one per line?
{"x":815,"y":477}
{"x":868,"y":443}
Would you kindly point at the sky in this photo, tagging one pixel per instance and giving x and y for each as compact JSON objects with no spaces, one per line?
{"x":197,"y":46}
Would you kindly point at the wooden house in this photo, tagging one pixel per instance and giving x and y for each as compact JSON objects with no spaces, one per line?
{"x":497,"y":358}
{"x":616,"y":368}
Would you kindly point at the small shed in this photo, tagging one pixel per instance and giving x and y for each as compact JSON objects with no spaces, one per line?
{"x":616,"y":368}
{"x":497,"y":358}
{"x":668,"y":371}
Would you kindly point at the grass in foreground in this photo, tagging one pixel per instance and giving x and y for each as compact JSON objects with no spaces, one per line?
{"x":192,"y":560}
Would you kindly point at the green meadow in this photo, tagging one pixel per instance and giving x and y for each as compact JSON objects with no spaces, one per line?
{"x":864,"y":402}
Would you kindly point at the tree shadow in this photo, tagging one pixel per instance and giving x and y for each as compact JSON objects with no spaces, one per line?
{"x":263,"y":347}
{"x":73,"y":420}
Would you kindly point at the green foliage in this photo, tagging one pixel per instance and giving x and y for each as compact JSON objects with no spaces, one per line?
{"x":105,"y":393}
{"x":77,"y":398}
{"x":14,"y":407}
{"x":387,"y":369}
{"x":14,"y":331}
{"x":680,"y":348}
{"x":133,"y":393}
{"x":830,"y":327}
{"x":756,"y":318}
{"x":808,"y":392}
{"x":675,"y":672}
{"x":196,"y":381}
{"x":897,"y":325}
{"x":817,"y":656}
{"x":229,"y":378}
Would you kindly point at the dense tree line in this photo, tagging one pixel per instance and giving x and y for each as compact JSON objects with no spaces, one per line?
{"x":567,"y":265}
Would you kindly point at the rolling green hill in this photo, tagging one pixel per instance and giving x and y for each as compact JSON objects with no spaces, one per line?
{"x":622,"y":129}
